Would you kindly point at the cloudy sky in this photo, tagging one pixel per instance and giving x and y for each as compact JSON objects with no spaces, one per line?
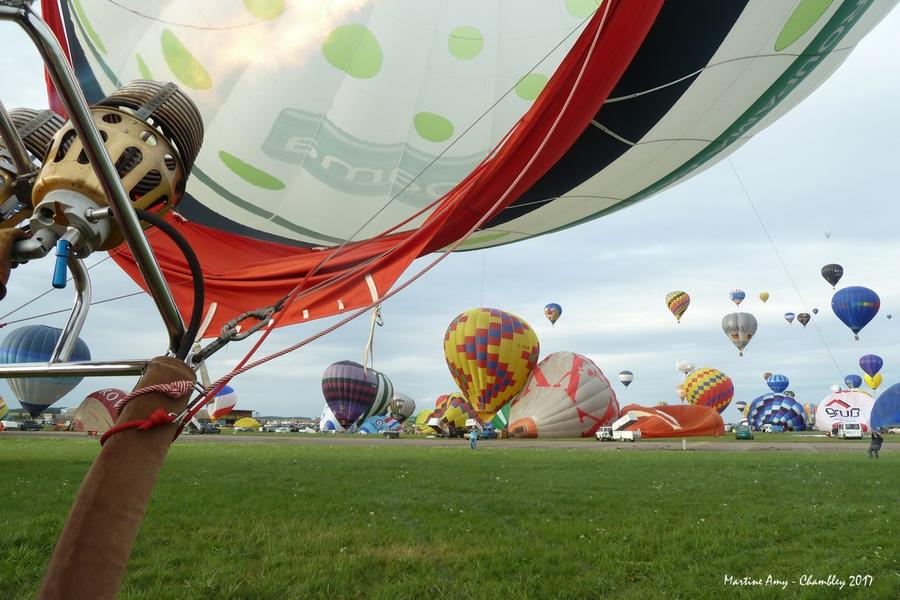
{"x":828,"y":166}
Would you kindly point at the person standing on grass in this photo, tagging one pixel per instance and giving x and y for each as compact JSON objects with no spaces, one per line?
{"x":875,"y":444}
{"x":473,"y":439}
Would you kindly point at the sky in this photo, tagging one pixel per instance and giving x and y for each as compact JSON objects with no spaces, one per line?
{"x":822,"y":178}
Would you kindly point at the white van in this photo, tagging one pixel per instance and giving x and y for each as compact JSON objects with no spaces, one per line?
{"x":847,"y":431}
{"x":11,"y":425}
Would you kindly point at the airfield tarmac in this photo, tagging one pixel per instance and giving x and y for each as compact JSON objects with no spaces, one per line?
{"x":757,"y":445}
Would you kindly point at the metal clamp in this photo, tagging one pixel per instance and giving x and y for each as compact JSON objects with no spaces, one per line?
{"x":232,"y":333}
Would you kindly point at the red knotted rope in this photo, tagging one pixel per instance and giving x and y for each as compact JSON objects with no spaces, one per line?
{"x":175,"y":389}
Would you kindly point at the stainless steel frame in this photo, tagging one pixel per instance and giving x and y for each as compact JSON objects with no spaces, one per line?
{"x":20,"y":12}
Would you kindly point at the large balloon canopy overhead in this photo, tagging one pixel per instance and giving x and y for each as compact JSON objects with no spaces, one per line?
{"x":855,"y":307}
{"x":778,"y":383}
{"x":677,"y":303}
{"x":871,"y":364}
{"x":737,"y":296}
{"x":490,"y":354}
{"x":832,"y":274}
{"x":853,"y":381}
{"x":553,"y":312}
{"x":709,"y":387}
{"x":740,"y":327}
{"x":35,"y":344}
{"x":354,"y":126}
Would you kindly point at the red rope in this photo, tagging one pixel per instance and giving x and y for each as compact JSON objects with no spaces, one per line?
{"x":157,"y":417}
{"x":175,"y":389}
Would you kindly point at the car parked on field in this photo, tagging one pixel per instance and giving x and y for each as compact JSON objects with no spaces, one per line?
{"x":31,"y":426}
{"x":743,"y":432}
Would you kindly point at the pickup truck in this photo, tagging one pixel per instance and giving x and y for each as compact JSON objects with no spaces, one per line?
{"x":607,"y":434}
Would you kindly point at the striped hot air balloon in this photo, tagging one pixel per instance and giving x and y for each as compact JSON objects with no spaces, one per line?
{"x":777,"y":409}
{"x":354,"y":392}
{"x":678,"y":302}
{"x":777,"y":382}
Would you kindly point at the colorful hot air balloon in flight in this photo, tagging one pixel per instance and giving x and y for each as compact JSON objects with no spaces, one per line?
{"x":853,"y":381}
{"x":222,"y":404}
{"x":855,"y":306}
{"x":567,"y":395}
{"x":685,"y":366}
{"x":626,"y":377}
{"x":354,"y":392}
{"x":778,"y":382}
{"x":737,"y":296}
{"x":490,"y":354}
{"x":553,"y":312}
{"x":803,"y":318}
{"x":873,"y":381}
{"x":709,"y":387}
{"x":832,"y":274}
{"x":741,"y":406}
{"x":740,"y":327}
{"x":789,"y":317}
{"x":871,"y":364}
{"x":678,"y":302}
{"x":764,"y":296}
{"x":35,"y":343}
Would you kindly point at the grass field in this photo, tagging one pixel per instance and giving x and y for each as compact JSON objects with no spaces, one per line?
{"x":337,"y":521}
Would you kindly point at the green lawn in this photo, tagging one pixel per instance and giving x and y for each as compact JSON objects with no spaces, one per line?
{"x":299,"y":521}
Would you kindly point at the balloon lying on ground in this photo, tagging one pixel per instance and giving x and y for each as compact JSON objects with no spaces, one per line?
{"x":778,"y":383}
{"x":452,"y":409}
{"x":422,"y":420}
{"x":377,"y":424}
{"x":803,"y":318}
{"x":852,"y":381}
{"x":97,"y":412}
{"x":678,"y":303}
{"x":832,"y":274}
{"x":222,"y":404}
{"x":873,"y":382}
{"x":740,"y":327}
{"x":845,"y":406}
{"x":490,"y":354}
{"x":4,"y":409}
{"x":354,"y":392}
{"x":871,"y":364}
{"x":247,"y":422}
{"x":886,"y":411}
{"x":401,"y":407}
{"x":709,"y":387}
{"x":855,"y":307}
{"x":553,"y":312}
{"x":626,"y":377}
{"x":35,"y":344}
{"x":789,"y":317}
{"x":566,"y":395}
{"x":674,"y":421}
{"x":776,"y":409}
{"x":737,"y":296}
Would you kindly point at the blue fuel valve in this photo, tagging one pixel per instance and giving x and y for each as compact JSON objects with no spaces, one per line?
{"x":60,"y":269}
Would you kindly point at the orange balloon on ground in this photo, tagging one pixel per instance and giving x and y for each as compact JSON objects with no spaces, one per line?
{"x":675,"y":421}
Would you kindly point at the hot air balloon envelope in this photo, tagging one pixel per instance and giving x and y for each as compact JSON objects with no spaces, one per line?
{"x":223,"y":403}
{"x":737,"y":296}
{"x":764,"y":296}
{"x":789,"y":317}
{"x":832,"y":273}
{"x":845,"y":406}
{"x":674,"y":421}
{"x":553,"y":311}
{"x":853,"y":381}
{"x":567,"y":395}
{"x":871,"y":364}
{"x":709,"y":387}
{"x":97,"y":412}
{"x":778,"y":383}
{"x":855,"y":307}
{"x":886,"y":412}
{"x":490,"y":354}
{"x":678,"y":303}
{"x":776,"y":409}
{"x":740,"y":328}
{"x":626,"y":377}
